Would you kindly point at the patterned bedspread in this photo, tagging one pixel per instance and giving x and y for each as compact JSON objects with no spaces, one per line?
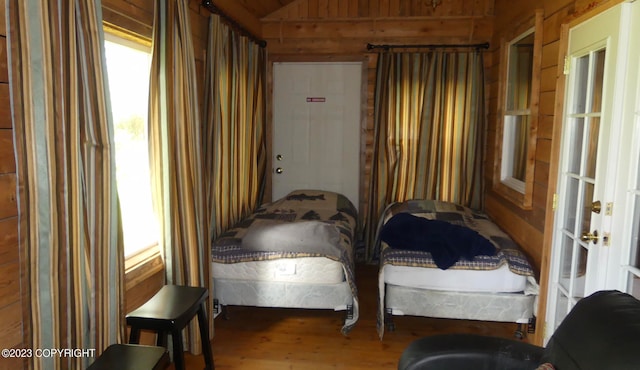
{"x":298,"y":206}
{"x":508,"y":252}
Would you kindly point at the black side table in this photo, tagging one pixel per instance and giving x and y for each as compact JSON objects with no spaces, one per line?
{"x":168,"y":312}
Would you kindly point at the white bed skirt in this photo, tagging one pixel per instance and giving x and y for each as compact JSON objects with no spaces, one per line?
{"x":518,"y":307}
{"x":504,"y":307}
{"x":337,"y":296}
{"x":291,"y":270}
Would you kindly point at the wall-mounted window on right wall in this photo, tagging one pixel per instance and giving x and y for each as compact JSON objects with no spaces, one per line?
{"x":518,"y":112}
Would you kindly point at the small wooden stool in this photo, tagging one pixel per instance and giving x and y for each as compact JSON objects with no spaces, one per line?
{"x":132,"y":357}
{"x":168,"y":312}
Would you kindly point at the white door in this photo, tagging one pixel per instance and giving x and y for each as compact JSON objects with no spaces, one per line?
{"x":624,"y":269}
{"x":316,"y":121}
{"x":584,"y":239}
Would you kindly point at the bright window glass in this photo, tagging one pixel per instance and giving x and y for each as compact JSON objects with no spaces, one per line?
{"x":128,"y":66}
{"x":517,"y":112}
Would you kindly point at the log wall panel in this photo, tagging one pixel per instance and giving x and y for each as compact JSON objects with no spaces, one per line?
{"x":238,"y":12}
{"x":545,"y":127}
{"x":550,"y":54}
{"x":12,"y":295}
{"x":318,"y":9}
{"x":7,"y":160}
{"x":133,"y":15}
{"x":5,"y":105}
{"x":9,"y":240}
{"x":9,"y":279}
{"x":11,"y":322}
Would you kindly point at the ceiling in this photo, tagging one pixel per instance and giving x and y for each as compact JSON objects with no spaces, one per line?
{"x":262,"y":8}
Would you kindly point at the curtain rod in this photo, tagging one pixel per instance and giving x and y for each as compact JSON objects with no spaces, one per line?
{"x":428,"y":46}
{"x":243,"y":31}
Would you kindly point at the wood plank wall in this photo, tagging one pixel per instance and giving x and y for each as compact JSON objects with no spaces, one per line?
{"x":12,"y":262}
{"x":340,"y":30}
{"x":335,"y":9}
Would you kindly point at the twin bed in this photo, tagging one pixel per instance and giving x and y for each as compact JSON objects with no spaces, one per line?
{"x":496,"y":286}
{"x":298,"y":252}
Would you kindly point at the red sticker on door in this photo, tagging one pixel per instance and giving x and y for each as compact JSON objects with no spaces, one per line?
{"x":316,"y":100}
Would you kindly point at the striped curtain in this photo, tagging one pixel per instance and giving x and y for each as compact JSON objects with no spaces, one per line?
{"x":175,"y":154}
{"x":429,"y":131}
{"x":66,"y":171}
{"x":235,"y":149}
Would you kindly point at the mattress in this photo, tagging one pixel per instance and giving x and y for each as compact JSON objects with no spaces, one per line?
{"x":499,"y":280}
{"x":308,"y":270}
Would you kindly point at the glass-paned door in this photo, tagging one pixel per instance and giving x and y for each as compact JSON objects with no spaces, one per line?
{"x":624,"y":266}
{"x":630,"y":266}
{"x":579,"y":236}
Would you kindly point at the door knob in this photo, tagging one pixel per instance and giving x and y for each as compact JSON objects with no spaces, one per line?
{"x":590,"y":237}
{"x":279,"y":170}
{"x":279,"y":157}
{"x":596,"y":207}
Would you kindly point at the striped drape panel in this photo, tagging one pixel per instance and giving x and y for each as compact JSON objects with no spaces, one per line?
{"x":66,"y":169}
{"x":175,"y":153}
{"x":235,"y":149}
{"x":429,"y":131}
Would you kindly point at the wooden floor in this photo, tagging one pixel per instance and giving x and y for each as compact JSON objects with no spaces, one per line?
{"x":277,"y":339}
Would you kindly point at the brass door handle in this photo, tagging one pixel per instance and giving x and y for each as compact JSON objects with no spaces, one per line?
{"x":596,"y":207}
{"x":590,"y":237}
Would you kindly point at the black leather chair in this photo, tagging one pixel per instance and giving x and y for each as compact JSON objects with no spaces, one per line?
{"x":601,"y":332}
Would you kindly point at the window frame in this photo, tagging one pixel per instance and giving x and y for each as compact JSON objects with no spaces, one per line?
{"x":517,"y":191}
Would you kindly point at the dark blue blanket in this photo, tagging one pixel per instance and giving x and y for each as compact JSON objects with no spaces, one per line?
{"x":446,"y":242}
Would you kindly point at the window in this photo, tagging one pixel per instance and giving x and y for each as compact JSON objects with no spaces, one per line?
{"x":128,"y":66}
{"x":517,"y":115}
{"x":518,"y":111}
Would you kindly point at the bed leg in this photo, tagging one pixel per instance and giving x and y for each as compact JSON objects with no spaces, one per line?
{"x":520,"y":332}
{"x":531,"y":327}
{"x":388,"y":320}
{"x":216,"y":307}
{"x":349,"y":312}
{"x":219,"y":309}
{"x":523,"y":329}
